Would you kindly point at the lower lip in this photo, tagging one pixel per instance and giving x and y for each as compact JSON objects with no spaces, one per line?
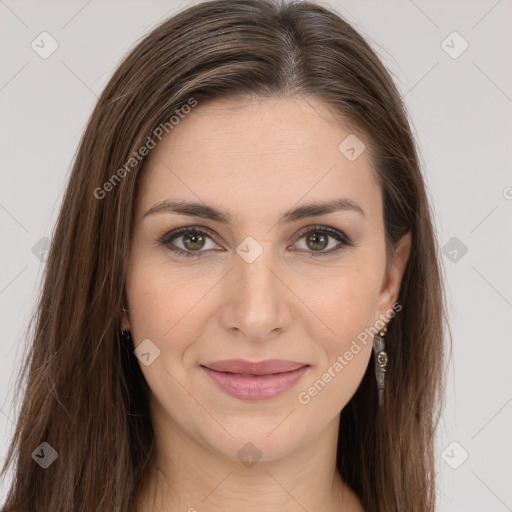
{"x":252,"y":387}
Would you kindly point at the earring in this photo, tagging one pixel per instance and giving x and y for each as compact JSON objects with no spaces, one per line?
{"x":381,"y":360}
{"x":126,"y":336}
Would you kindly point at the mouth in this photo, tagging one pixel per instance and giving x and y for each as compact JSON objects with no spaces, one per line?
{"x":255,"y":381}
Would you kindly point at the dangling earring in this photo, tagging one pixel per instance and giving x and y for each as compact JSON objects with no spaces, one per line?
{"x":381,"y":360}
{"x":126,"y":336}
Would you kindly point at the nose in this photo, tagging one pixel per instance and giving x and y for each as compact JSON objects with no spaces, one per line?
{"x":257,"y":305}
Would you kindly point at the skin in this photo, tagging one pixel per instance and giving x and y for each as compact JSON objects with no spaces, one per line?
{"x":255,"y":159}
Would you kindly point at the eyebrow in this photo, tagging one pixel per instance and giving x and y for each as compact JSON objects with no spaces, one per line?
{"x":195,"y":209}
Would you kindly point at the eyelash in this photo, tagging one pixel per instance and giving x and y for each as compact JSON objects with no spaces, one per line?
{"x":334,"y":233}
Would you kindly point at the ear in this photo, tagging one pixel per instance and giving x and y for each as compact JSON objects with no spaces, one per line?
{"x":393,"y":276}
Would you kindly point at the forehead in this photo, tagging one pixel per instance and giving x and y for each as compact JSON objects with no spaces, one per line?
{"x":284,"y":126}
{"x":255,"y":152}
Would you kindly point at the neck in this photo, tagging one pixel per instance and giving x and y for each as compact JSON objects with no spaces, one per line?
{"x":189,"y":476}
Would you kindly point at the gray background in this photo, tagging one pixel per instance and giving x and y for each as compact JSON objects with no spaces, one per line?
{"x":461,"y":111}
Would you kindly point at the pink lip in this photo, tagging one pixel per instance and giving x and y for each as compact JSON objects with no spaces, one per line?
{"x":254,"y":381}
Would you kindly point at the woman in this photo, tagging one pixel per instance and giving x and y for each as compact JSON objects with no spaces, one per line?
{"x":242,"y":305}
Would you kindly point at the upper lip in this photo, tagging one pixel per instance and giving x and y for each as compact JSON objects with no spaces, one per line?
{"x":266,"y":367}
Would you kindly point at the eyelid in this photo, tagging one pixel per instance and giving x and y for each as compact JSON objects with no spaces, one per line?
{"x":335,"y":233}
{"x":343,"y":240}
{"x":168,"y":236}
{"x":340,"y":236}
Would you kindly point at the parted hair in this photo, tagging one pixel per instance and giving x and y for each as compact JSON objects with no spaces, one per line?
{"x":80,"y":388}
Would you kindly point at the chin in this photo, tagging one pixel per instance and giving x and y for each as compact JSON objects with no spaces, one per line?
{"x":257,"y":441}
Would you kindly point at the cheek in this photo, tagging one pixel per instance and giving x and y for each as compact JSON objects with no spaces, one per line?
{"x":347,"y":308}
{"x":166,"y":308}
{"x":347,"y":303}
{"x":348,"y":311}
{"x":166,"y":302}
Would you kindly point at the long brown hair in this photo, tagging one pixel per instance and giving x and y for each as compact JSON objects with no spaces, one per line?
{"x":83,"y":392}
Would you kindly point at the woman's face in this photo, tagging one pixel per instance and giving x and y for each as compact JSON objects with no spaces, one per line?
{"x":254,"y":281}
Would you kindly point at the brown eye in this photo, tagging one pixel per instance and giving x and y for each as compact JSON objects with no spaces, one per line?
{"x":189,"y":242}
{"x":194,"y":240}
{"x":317,"y":241}
{"x":320,"y":238}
